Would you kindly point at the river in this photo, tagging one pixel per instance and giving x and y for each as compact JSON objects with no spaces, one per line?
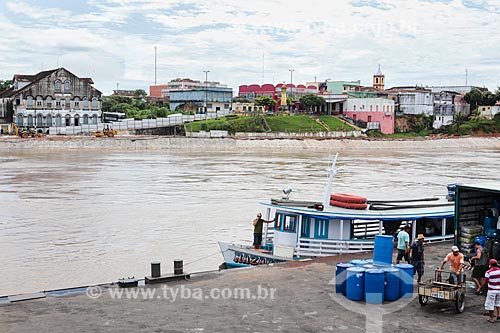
{"x":77,"y":217}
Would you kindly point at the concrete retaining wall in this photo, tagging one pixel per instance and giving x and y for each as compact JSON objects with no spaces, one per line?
{"x":131,"y":143}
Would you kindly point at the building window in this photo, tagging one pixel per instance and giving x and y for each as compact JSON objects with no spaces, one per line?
{"x":30,"y":121}
{"x":48,"y":102}
{"x":39,"y":102}
{"x":371,"y":108}
{"x":29,"y":102}
{"x":226,"y":106}
{"x":369,"y":119}
{"x":94,"y":119}
{"x":77,"y":103}
{"x":94,"y":103}
{"x":67,"y":86}
{"x":67,"y":103}
{"x":354,"y":117}
{"x":20,"y":120}
{"x":354,"y":107}
{"x":85,"y":119}
{"x":58,"y":86}
{"x":376,"y":108}
{"x":58,"y":103}
{"x":58,"y":121}
{"x":85,"y":103}
{"x":39,"y":120}
{"x":49,"y":120}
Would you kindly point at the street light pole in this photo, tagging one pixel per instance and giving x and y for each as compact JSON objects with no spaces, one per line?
{"x":155,"y":65}
{"x":291,"y":82}
{"x":206,"y":90}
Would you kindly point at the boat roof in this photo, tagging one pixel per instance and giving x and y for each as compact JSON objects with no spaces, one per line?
{"x":333,"y":212}
{"x":482,"y":186}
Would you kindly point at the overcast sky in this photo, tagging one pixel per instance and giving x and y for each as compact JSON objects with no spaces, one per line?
{"x":420,"y":42}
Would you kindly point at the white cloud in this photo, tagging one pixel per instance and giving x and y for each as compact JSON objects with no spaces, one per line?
{"x":422,"y":41}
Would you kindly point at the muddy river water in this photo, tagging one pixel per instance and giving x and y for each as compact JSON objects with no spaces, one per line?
{"x":72,"y":218}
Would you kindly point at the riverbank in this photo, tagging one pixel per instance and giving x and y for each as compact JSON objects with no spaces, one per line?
{"x":159,"y":143}
{"x":291,"y":297}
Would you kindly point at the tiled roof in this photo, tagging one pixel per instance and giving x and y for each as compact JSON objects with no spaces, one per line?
{"x":7,"y":93}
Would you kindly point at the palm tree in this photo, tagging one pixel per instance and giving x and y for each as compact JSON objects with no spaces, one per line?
{"x":458,"y":119}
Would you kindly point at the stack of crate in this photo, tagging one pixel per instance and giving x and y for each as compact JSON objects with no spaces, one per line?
{"x":467,"y":235}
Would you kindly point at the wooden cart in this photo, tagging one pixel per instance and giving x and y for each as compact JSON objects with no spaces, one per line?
{"x":443,"y":291}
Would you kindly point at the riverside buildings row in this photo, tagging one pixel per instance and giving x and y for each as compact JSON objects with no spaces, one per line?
{"x":59,"y":98}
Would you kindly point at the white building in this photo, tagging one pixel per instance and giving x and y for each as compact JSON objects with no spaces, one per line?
{"x":53,"y":98}
{"x":413,"y":100}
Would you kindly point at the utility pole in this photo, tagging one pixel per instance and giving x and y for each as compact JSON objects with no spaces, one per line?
{"x":206,"y":89}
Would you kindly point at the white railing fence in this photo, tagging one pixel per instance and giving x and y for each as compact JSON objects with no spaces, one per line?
{"x":328,"y":247}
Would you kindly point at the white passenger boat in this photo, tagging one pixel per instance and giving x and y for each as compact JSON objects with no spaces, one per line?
{"x":306,"y":229}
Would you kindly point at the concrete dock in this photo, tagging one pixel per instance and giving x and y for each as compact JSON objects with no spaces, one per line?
{"x":290,"y":297}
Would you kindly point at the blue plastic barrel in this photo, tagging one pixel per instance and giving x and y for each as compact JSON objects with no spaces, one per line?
{"x":369,"y":261}
{"x":358,"y":262}
{"x":405,"y":280}
{"x":489,"y":223}
{"x":382,"y":251}
{"x":480,"y":239}
{"x":340,"y":277}
{"x":355,"y":284}
{"x":391,"y":292}
{"x":374,"y":286}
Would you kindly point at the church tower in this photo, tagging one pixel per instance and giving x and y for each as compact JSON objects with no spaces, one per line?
{"x":378,"y":80}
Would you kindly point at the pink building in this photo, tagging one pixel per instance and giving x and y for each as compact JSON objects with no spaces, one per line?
{"x":378,"y":113}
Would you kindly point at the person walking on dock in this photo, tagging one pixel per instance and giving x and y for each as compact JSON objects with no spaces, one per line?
{"x":480,"y":266}
{"x":257,"y":230}
{"x":403,"y":244}
{"x":456,"y":260}
{"x":417,"y":257}
{"x":492,"y":279}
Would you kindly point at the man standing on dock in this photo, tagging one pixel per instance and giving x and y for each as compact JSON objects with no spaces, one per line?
{"x":417,"y":257}
{"x":492,"y":279}
{"x":257,"y":230}
{"x":403,"y":244}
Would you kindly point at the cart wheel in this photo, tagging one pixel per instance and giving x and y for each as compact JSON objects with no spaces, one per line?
{"x":459,"y":301}
{"x":423,"y":300}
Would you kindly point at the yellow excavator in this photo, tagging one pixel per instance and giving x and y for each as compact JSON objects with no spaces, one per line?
{"x":14,"y":129}
{"x":108,"y":132}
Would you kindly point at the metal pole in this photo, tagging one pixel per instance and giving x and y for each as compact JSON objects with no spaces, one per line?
{"x":155,"y":65}
{"x":206,"y":90}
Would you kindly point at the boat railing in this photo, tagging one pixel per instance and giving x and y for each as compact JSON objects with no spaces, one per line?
{"x":268,"y":234}
{"x":329,"y":247}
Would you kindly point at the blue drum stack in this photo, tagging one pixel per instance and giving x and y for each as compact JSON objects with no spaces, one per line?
{"x":375,"y":280}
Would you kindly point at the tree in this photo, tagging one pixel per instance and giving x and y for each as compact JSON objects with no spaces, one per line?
{"x":458,"y":119}
{"x":478,"y":97}
{"x":312,"y":100}
{"x":5,"y":84}
{"x":140,"y":94}
{"x":266,"y":101}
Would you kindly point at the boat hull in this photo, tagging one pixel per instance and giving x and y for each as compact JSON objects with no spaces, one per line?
{"x":243,"y":256}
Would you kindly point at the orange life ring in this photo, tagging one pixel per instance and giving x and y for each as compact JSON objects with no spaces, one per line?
{"x":348,"y":205}
{"x":351,"y":198}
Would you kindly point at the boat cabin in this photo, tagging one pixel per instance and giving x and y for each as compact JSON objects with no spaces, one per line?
{"x":311,"y":232}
